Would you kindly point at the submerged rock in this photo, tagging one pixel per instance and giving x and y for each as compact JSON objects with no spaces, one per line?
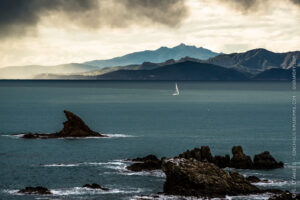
{"x":253,"y":179}
{"x":203,"y":179}
{"x":95,"y":186}
{"x":73,"y":127}
{"x":35,"y":190}
{"x":285,"y":196}
{"x":239,"y":159}
{"x":147,"y":163}
{"x":265,"y":160}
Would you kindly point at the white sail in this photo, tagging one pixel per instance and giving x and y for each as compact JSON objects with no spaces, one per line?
{"x":176,"y":90}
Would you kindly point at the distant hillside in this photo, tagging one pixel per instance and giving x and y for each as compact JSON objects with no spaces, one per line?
{"x":156,"y":56}
{"x":277,"y":74}
{"x":250,"y":63}
{"x":138,"y":60}
{"x":93,"y":73}
{"x":187,"y":70}
{"x":257,"y":60}
{"x":31,"y":71}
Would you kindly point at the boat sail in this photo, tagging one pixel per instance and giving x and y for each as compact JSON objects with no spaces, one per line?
{"x":176,"y":90}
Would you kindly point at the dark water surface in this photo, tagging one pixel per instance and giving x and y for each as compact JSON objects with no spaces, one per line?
{"x":142,"y":118}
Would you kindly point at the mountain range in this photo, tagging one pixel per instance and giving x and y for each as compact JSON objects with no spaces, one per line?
{"x":257,"y":60}
{"x":186,"y":70}
{"x":159,"y":55}
{"x":181,"y":62}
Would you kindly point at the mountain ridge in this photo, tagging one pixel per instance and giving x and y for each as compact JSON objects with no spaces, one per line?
{"x":159,"y":55}
{"x":257,"y":60}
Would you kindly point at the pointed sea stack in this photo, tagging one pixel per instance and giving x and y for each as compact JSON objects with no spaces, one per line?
{"x":73,"y":127}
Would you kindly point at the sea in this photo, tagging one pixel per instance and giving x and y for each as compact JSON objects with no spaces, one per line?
{"x":141,"y":118}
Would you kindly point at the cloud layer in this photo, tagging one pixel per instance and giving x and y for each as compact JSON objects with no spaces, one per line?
{"x":251,"y":6}
{"x":18,"y":17}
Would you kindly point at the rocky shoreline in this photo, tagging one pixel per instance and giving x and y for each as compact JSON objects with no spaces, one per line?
{"x":198,"y":173}
{"x":194,"y":173}
{"x":261,"y":161}
{"x":74,"y":127}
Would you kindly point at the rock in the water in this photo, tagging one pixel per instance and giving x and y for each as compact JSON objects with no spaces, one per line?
{"x":222,"y":161}
{"x":265,"y":160}
{"x":285,"y":196}
{"x":95,"y":186}
{"x":73,"y":127}
{"x":202,"y":179}
{"x":35,"y":190}
{"x":143,"y":159}
{"x":253,"y":179}
{"x":239,"y":159}
{"x":202,"y":154}
{"x":30,"y":135}
{"x":147,"y":163}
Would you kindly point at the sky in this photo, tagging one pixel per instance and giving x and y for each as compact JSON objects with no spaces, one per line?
{"x":50,"y":32}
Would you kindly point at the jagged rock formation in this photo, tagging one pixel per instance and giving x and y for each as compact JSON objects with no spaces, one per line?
{"x":239,"y":159}
{"x":73,"y":127}
{"x":35,"y":190}
{"x":203,"y":179}
{"x":253,"y":179}
{"x":147,"y":163}
{"x":265,"y":160}
{"x":95,"y":186}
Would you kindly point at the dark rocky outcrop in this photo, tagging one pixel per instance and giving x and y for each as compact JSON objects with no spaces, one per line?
{"x":253,"y":179}
{"x":73,"y":127}
{"x":143,"y":159}
{"x":239,"y":159}
{"x":35,"y":190}
{"x":147,"y":163}
{"x":95,"y":186}
{"x":222,"y":161}
{"x":202,"y":154}
{"x":202,"y":179}
{"x":265,"y":160}
{"x":285,"y":196}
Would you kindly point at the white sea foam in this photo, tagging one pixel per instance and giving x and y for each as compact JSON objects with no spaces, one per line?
{"x":172,"y":197}
{"x":272,"y":183}
{"x":16,"y":136}
{"x":110,"y":164}
{"x":62,"y":165}
{"x":13,"y":136}
{"x":118,"y":136}
{"x":12,"y":192}
{"x":83,"y":191}
{"x":121,"y":168}
{"x":156,"y":173}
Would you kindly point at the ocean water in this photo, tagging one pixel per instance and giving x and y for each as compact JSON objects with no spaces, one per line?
{"x":142,"y":118}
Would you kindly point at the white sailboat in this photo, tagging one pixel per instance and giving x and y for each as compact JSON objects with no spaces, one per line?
{"x":176,"y":90}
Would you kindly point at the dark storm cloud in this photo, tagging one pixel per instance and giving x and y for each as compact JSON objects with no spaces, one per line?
{"x":297,"y":2}
{"x":18,"y":17}
{"x":167,"y":12}
{"x":249,"y":6}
